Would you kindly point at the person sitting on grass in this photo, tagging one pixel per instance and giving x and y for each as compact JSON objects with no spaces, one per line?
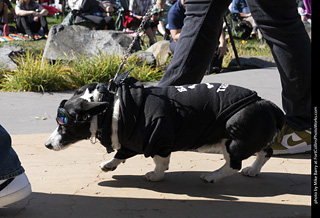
{"x":94,"y":12}
{"x":31,"y":17}
{"x":241,"y":13}
{"x":138,"y":9}
{"x":4,"y":6}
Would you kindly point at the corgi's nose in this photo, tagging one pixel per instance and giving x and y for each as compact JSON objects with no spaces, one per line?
{"x":48,"y":145}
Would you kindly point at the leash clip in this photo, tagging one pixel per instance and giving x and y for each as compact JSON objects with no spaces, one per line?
{"x":117,"y":80}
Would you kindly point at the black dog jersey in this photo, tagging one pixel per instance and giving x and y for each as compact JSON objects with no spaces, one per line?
{"x":159,"y":120}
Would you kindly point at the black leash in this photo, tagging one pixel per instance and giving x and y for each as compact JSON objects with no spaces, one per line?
{"x":126,"y":56}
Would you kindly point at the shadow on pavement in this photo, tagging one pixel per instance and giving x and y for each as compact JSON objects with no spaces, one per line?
{"x":189,"y":183}
{"x":40,"y":205}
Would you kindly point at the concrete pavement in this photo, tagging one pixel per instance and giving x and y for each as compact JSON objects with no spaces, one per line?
{"x":69,"y":183}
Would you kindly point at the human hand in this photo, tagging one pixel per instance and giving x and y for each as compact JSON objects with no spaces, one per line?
{"x":36,"y":16}
{"x":221,"y":51}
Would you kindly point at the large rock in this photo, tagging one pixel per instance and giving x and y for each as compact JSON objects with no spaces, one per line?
{"x":147,"y":57}
{"x":67,"y":42}
{"x":8,"y":53}
{"x":160,"y":51}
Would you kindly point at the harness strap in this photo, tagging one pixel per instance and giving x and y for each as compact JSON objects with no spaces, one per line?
{"x":107,"y":94}
{"x":104,"y":120}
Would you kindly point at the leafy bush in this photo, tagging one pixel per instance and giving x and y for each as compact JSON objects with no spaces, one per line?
{"x":33,"y":74}
{"x":36,"y":74}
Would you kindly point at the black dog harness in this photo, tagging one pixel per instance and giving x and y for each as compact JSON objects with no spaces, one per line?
{"x":159,"y":120}
{"x":105,"y":118}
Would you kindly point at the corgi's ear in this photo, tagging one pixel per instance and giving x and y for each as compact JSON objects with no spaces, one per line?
{"x":62,"y":103}
{"x":94,"y":108}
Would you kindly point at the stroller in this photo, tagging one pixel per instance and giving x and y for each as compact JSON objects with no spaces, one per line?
{"x":89,"y":13}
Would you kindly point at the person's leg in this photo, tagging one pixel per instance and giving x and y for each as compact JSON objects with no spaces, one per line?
{"x":19,"y":26}
{"x":4,"y":19}
{"x":109,"y":22}
{"x":4,"y":12}
{"x":281,"y":26}
{"x":150,"y":32}
{"x":283,"y":30}
{"x":96,"y":20}
{"x":1,"y":8}
{"x":35,"y":26}
{"x":44,"y":24}
{"x":197,"y":42}
{"x":150,"y":35}
{"x":10,"y":165}
{"x":14,"y":185}
{"x":23,"y":26}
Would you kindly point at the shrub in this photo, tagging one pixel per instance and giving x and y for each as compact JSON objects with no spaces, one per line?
{"x":35,"y":74}
{"x":98,"y":69}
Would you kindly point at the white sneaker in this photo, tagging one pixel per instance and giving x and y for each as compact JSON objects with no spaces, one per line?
{"x":13,"y":190}
{"x":290,"y":141}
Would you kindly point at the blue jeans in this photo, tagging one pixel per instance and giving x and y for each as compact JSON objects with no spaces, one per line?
{"x":10,"y":165}
{"x":281,"y":26}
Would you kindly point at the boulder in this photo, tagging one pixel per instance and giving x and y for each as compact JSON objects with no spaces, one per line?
{"x":68,"y":42}
{"x":249,"y":62}
{"x":160,"y":51}
{"x":8,"y":53}
{"x":147,"y":57}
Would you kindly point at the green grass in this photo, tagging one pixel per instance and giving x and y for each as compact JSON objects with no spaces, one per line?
{"x":251,"y":47}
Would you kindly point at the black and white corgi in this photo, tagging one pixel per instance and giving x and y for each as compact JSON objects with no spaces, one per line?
{"x":156,"y":121}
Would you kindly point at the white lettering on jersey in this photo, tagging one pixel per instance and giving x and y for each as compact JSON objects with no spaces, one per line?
{"x":192,"y":86}
{"x":181,"y":88}
{"x":209,"y":86}
{"x":222,"y":87}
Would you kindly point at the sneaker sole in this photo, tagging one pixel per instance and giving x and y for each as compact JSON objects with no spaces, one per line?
{"x":293,"y":150}
{"x":16,"y":196}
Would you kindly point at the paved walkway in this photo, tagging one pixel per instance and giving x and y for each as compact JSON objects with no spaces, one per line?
{"x":69,"y":183}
